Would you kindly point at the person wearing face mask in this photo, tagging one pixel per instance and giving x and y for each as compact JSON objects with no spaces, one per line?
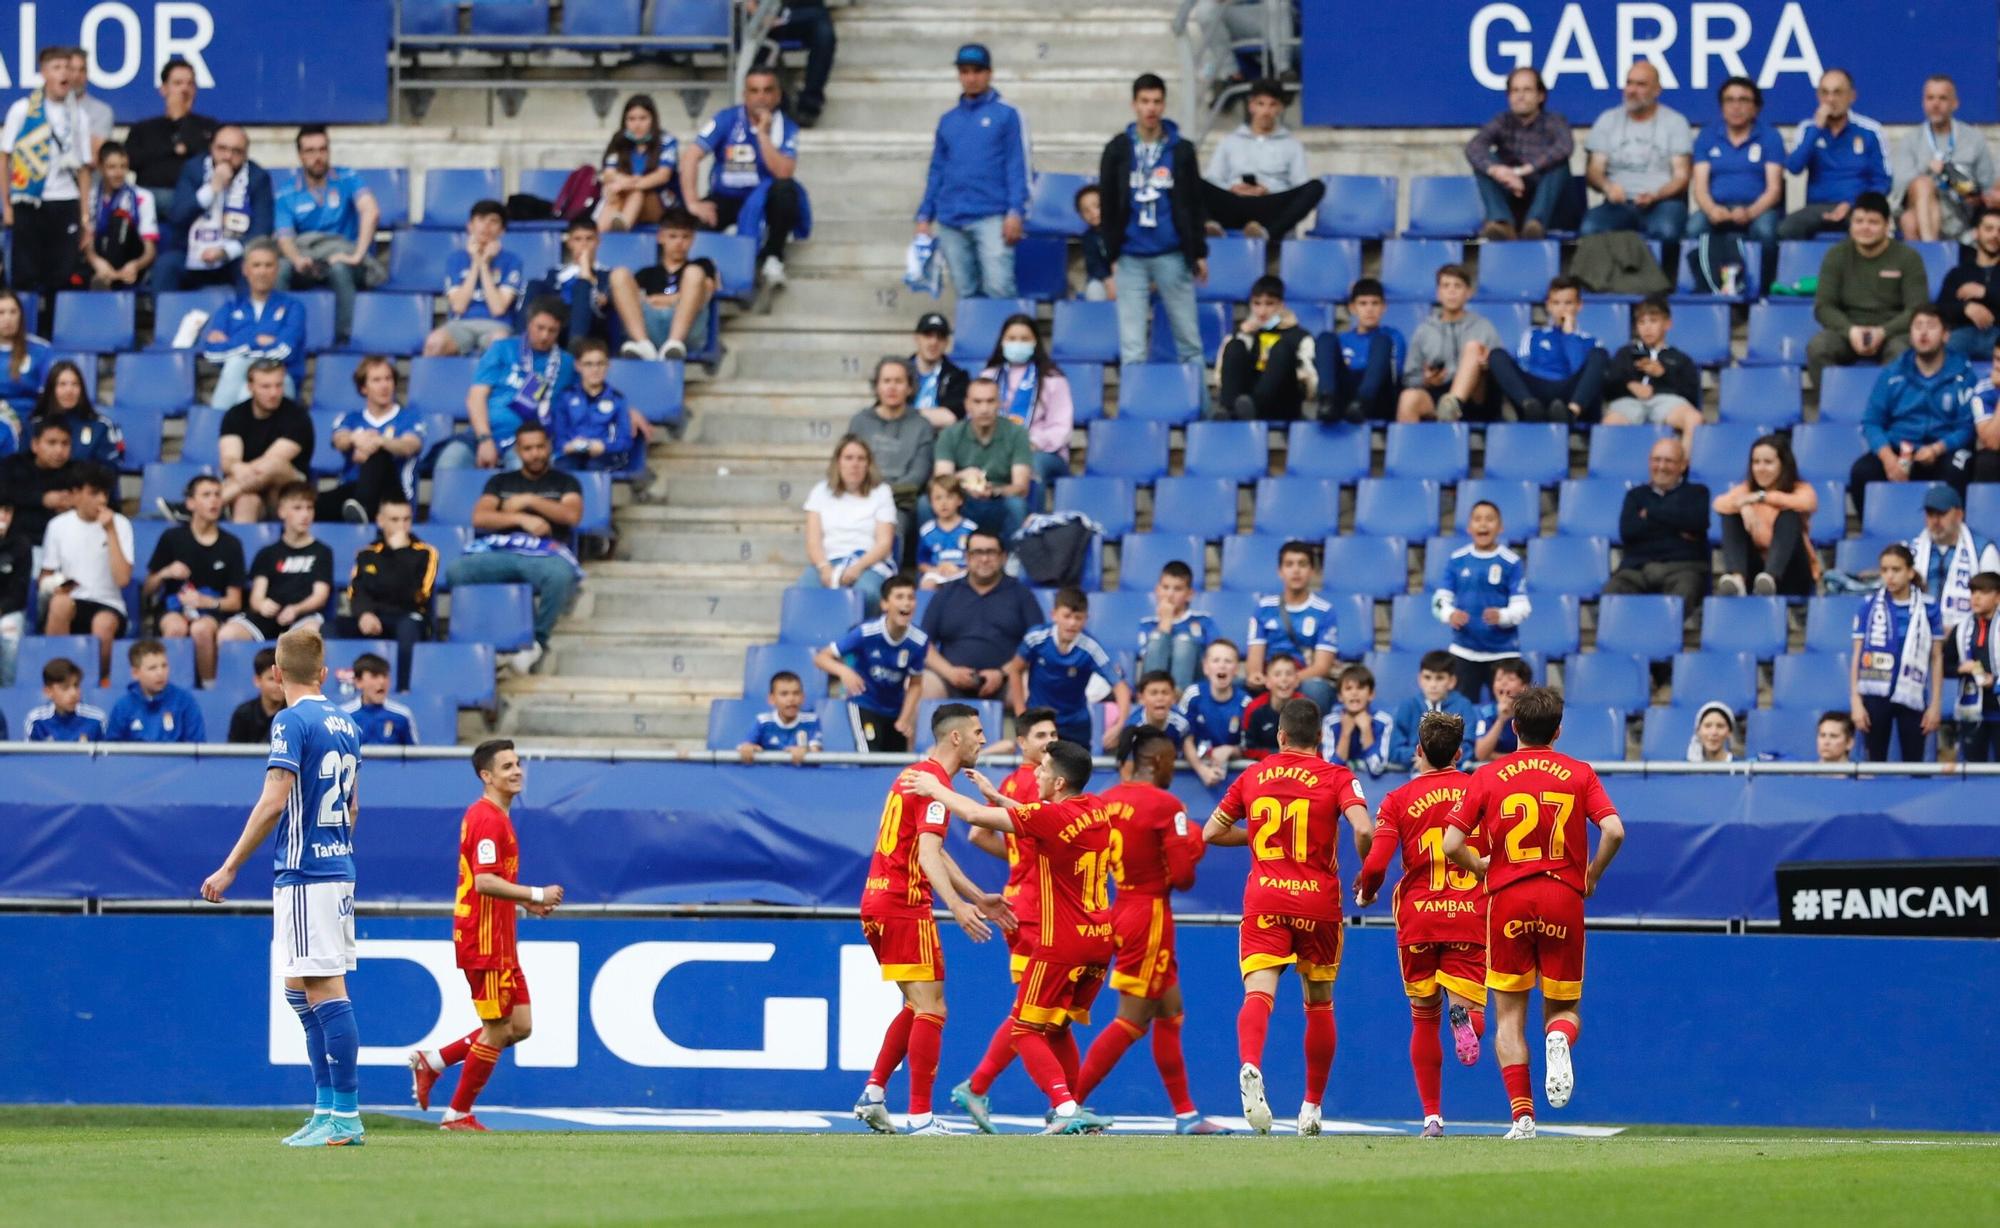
{"x":1034,"y":393}
{"x":1267,"y":371}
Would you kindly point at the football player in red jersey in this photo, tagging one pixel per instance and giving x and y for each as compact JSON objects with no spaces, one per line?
{"x":1531,"y":806}
{"x":482,"y":929}
{"x":1072,"y":846}
{"x":1034,"y":729}
{"x":1291,"y":899}
{"x":1440,"y":910}
{"x":908,"y":865}
{"x":1153,"y":853}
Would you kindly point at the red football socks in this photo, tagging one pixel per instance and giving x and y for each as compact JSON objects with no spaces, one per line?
{"x":1320,"y":1039}
{"x":479,"y":1063}
{"x":1040,"y":1061}
{"x":1252,"y":1023}
{"x":1478,"y":1016}
{"x":1105,"y":1051}
{"x":1062,"y":1043}
{"x":1173,"y":1066}
{"x":454,"y":1053}
{"x":1426,"y":1056}
{"x":1520,"y":1101}
{"x":926,"y":1039}
{"x":895,"y":1043}
{"x":999,"y":1055}
{"x":1567,"y":1027}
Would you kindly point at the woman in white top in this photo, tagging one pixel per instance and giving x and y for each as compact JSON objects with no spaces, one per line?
{"x":850,"y":525}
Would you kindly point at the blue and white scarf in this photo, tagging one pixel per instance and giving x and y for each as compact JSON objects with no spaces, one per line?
{"x":1021,"y":405}
{"x":38,"y":150}
{"x":525,"y":543}
{"x":1902,"y":672}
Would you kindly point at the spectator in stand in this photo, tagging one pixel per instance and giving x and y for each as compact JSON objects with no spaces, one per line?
{"x":1521,"y":161}
{"x":1972,"y":291}
{"x":1257,"y":180}
{"x":250,"y":723}
{"x":389,"y":590}
{"x":1436,"y":692}
{"x":1942,"y":171}
{"x":1215,"y":709}
{"x":1155,"y":710}
{"x":1100,"y":282}
{"x":124,"y":226}
{"x":529,"y":517}
{"x":1840,"y":153}
{"x":86,"y":563}
{"x":942,"y":540}
{"x":1260,"y":718}
{"x":1714,"y":730}
{"x":195,"y":577}
{"x":808,"y":22}
{"x":1663,"y":526}
{"x":93,"y":438}
{"x":1870,"y":287}
{"x":1444,"y":376}
{"x":48,"y":140}
{"x":381,"y":441}
{"x":1766,"y":522}
{"x":940,"y":381}
{"x":880,"y":663}
{"x":222,"y":202}
{"x":162,"y":145}
{"x":595,"y":429}
{"x":518,"y":381}
{"x":1356,"y":735}
{"x":261,"y":323}
{"x":1651,"y":382}
{"x":1947,"y":555}
{"x":1484,"y":600}
{"x":17,"y":571}
{"x":482,"y":285}
{"x":581,"y":283}
{"x":974,"y":623}
{"x":976,"y":193}
{"x":291,"y":580}
{"x":1834,"y":738}
{"x":381,"y":720}
{"x":1972,"y":663}
{"x":1918,"y":423}
{"x":65,"y":717}
{"x":991,"y":457}
{"x":664,"y":306}
{"x":37,"y":481}
{"x":753,"y":186}
{"x":1056,"y":664}
{"x":1896,"y":671}
{"x":1739,"y":172}
{"x":1034,"y":393}
{"x":1358,"y":369}
{"x":153,"y":709}
{"x":902,"y":442}
{"x":1174,"y":638}
{"x":787,"y":725}
{"x":326,"y":228}
{"x":266,"y":444}
{"x":1641,"y":155}
{"x":1510,"y":678}
{"x":103,"y":121}
{"x":640,"y":179}
{"x":1985,"y":424}
{"x":1154,"y":225}
{"x":24,"y":364}
{"x":1557,"y":373}
{"x":850,"y":524}
{"x":1268,"y":370}
{"x":1296,"y":622}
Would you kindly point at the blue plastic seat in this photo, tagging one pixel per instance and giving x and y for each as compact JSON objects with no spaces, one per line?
{"x":1756,"y":625}
{"x":502,"y":615}
{"x":1590,"y":507}
{"x":1606,"y":680}
{"x":1356,"y":207}
{"x":167,"y":479}
{"x":657,"y":390}
{"x":1444,"y":207}
{"x":1787,"y":732}
{"x":1608,"y":320}
{"x":1722,"y":453}
{"x":1535,"y":452}
{"x":1084,"y":331}
{"x":1767,"y":397}
{"x":609,"y":17}
{"x":1239,"y":451}
{"x":1395,"y":676}
{"x":390,"y":186}
{"x":1354,"y":616}
{"x":760,"y":661}
{"x":1141,"y":555}
{"x":540,"y":251}
{"x":1160,"y":392}
{"x":1722,"y":677}
{"x":1306,"y":507}
{"x":1213,"y":319}
{"x":1701,"y":331}
{"x":438,"y":385}
{"x":1844,"y":392}
{"x":1320,"y":450}
{"x":99,"y":320}
{"x":1940,"y":256}
{"x":1856,"y":555}
{"x":346,"y":541}
{"x":156,"y":383}
{"x":421,"y":17}
{"x":1801,"y":258}
{"x":702,"y":22}
{"x":992,"y":717}
{"x":1250,"y":561}
{"x":1642,"y":624}
{"x":817,"y":616}
{"x":1552,"y":626}
{"x":510,"y":17}
{"x":1828,"y":450}
{"x":1664,"y":736}
{"x":1779,"y":331}
{"x":1197,"y":506}
{"x":1520,"y":271}
{"x":976,"y":328}
{"x":454,"y":493}
{"x":1578,"y":566}
{"x":1318,"y":270}
{"x":1041,"y":268}
{"x":1511,"y":320}
{"x":1052,"y":204}
{"x":333,"y":382}
{"x":1438,"y":549}
{"x":1111,"y":502}
{"x":388,"y":323}
{"x":319,"y":306}
{"x":1410,"y":265}
{"x":1829,"y":524}
{"x":143,"y":431}
{"x":1594,"y":733}
{"x":1982,"y":508}
{"x":1127,"y":448}
{"x":201,"y":445}
{"x":1231,"y":611}
{"x":1412,"y":626}
{"x":1396,"y":507}
{"x":450,"y":193}
{"x":36,"y":651}
{"x":1894,"y":509}
{"x":596,"y":490}
{"x":1520,"y":505}
{"x":1376,"y":567}
{"x":1234,"y":262}
{"x":171,"y":307}
{"x":1621,"y":451}
{"x":1816,"y":680}
{"x":1086,"y":391}
{"x":1440,"y":451}
{"x":460,"y":673}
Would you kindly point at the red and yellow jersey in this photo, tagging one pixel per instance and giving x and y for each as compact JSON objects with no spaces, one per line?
{"x":1019,"y":893}
{"x":1153,"y":848}
{"x":1072,"y":846}
{"x":1529,"y":806}
{"x":896,"y":885}
{"x":1293,"y":803}
{"x":482,"y":927}
{"x":1436,"y":901}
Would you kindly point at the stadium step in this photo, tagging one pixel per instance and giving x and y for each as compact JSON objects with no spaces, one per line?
{"x":613,"y":601}
{"x":1059,"y":99}
{"x":875,"y":37}
{"x":642,"y":657}
{"x":644,"y":723}
{"x":787,"y":546}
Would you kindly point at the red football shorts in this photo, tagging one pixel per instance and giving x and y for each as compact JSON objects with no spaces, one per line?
{"x":1020,"y":945}
{"x":906,"y":947}
{"x":1535,"y":926}
{"x":1459,"y":967}
{"x":1268,"y":940}
{"x":1052,"y":994}
{"x":497,"y":991}
{"x":1144,"y":929}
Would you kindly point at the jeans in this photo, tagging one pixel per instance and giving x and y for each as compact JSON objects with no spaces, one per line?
{"x":553,"y":580}
{"x":1545,"y":192}
{"x":459,"y":452}
{"x":981,"y":263}
{"x":170,"y":272}
{"x":1953,"y":469}
{"x":1176,"y":654}
{"x":1886,"y":719}
{"x":1663,"y":219}
{"x":1762,"y":230}
{"x":811,"y":25}
{"x":1373,"y":383}
{"x":1050,"y":467}
{"x":232,"y":386}
{"x":1974,"y":344}
{"x":1170,"y":275}
{"x":868,"y":584}
{"x":345,"y":280}
{"x":1585,"y":388}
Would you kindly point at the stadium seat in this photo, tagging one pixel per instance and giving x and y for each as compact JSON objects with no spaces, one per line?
{"x":1115,"y":616}
{"x":1520,"y":271}
{"x":1577,"y":566}
{"x":1720,"y":677}
{"x":218,"y":705}
{"x":1607,"y":320}
{"x":454,"y":493}
{"x":1438,"y":550}
{"x":1756,"y":625}
{"x":1395,"y":676}
{"x":1239,"y":451}
{"x":1767,"y":397}
{"x":1520,"y":505}
{"x":460,"y":673}
{"x":1041,"y":268}
{"x":450,"y":193}
{"x":1799,"y":259}
{"x":1895,"y":509}
{"x":1356,"y":207}
{"x":1535,"y":452}
{"x":180,"y":665}
{"x":1789,"y":733}
{"x":1309,"y":507}
{"x":1829,"y":524}
{"x":608,"y":17}
{"x":1234,"y":262}
{"x":817,"y":616}
{"x":1396,"y":507}
{"x":1982,"y":506}
{"x":1410,"y":265}
{"x":1511,"y":320}
{"x":1319,"y":270}
{"x":438,"y":384}
{"x":1086,"y":391}
{"x":99,"y":320}
{"x":1643,"y":624}
{"x":1721,"y":453}
{"x":707,"y":20}
{"x":1551,"y":628}
{"x":502,"y":615}
{"x":1664,"y":736}
{"x":976,"y":326}
{"x":1197,"y":506}
{"x":1084,"y":332}
{"x":253,"y":537}
{"x":1376,"y":567}
{"x":1444,"y":207}
{"x":1111,"y":502}
{"x":1606,"y":679}
{"x":201,"y":444}
{"x":171,"y":307}
{"x":1594,"y":733}
{"x":1701,"y":331}
{"x":420,"y":17}
{"x":735,"y":259}
{"x":1322,"y":450}
{"x":36,"y":651}
{"x":760,"y":661}
{"x":1213,"y":319}
{"x":1250,"y":561}
{"x":1859,"y":555}
{"x":1141,"y":555}
{"x":1439,"y":451}
{"x":346,"y":541}
{"x":319,"y":305}
{"x":1591,"y":507}
{"x":143,"y":432}
{"x":1844,"y":392}
{"x":1122,"y":448}
{"x":417,"y":259}
{"x":333,"y":382}
{"x":326,"y":459}
{"x":1052,"y":204}
{"x":1621,"y":451}
{"x":510,"y":17}
{"x":167,"y":479}
{"x":547,"y":181}
{"x":1412,"y":626}
{"x":386,"y":323}
{"x":1827,"y":450}
{"x":1779,"y":330}
{"x":154,"y":383}
{"x":992,"y":718}
{"x":627,"y":249}
{"x":390,"y":186}
{"x":1160,"y":392}
{"x":1939,"y":257}
{"x":1230,"y":610}
{"x":1354,"y":615}
{"x":1816,"y":680}
{"x":658,"y":390}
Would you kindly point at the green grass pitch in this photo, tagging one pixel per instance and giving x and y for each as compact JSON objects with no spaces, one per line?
{"x":172,"y":1167}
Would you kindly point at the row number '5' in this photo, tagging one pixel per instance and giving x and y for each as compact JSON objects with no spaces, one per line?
{"x":1270,"y":814}
{"x":1526,"y":809}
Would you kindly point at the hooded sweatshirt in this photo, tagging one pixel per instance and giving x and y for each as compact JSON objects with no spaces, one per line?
{"x":1440,"y":340}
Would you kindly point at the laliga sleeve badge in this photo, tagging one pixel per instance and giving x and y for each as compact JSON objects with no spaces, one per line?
{"x":934,"y":815}
{"x":487,"y":854}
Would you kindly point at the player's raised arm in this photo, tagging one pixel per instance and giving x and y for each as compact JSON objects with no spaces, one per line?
{"x":997,"y":818}
{"x":264,"y":816}
{"x":1610,"y":838}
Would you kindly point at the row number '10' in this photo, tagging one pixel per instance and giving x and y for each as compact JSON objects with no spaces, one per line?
{"x":1269,"y":814}
{"x":1526,"y":808}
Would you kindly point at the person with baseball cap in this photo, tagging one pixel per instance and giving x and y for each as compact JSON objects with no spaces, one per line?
{"x":976,"y":194}
{"x":940,"y":391}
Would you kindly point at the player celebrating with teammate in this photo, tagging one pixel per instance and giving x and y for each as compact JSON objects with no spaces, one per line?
{"x":908,"y":865}
{"x":309,"y":799}
{"x":482,"y":931}
{"x":1440,"y":909}
{"x":1291,"y":900}
{"x":1527,"y":806}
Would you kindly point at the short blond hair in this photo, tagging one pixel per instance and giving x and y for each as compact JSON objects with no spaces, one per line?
{"x":301,"y":656}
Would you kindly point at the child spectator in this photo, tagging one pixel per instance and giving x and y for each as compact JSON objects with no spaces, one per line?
{"x":1155,"y":710}
{"x":64,"y":718}
{"x":787,"y":725}
{"x":1896,"y":673}
{"x":381,"y":720}
{"x":1055,"y":664}
{"x":1267,"y":371}
{"x":1215,"y":712}
{"x":125,"y":231}
{"x":250,"y":723}
{"x":1651,"y":382}
{"x":1445,"y":373}
{"x":1099,"y":283}
{"x":1357,"y":379}
{"x":196,"y":575}
{"x":1510,"y":678}
{"x":153,"y":709}
{"x":1834,"y":738}
{"x":1972,"y":661}
{"x":86,"y":564}
{"x":580,"y":283}
{"x":1714,"y":730}
{"x":1356,"y":736}
{"x":942,"y":540}
{"x":1556,"y":373}
{"x":1173,"y":638}
{"x":291,"y":579}
{"x":594,"y":427}
{"x":664,"y":306}
{"x":381,"y":441}
{"x":389,"y":590}
{"x":1298,"y":622}
{"x":640,"y":178}
{"x":1260,"y":716}
{"x":482,"y":282}
{"x":1437,"y":675}
{"x":884,"y":681}
{"x":1484,"y":600}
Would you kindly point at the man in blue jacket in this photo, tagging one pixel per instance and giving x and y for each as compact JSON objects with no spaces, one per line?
{"x":152,"y":708}
{"x":1840,"y":154}
{"x":977,"y":193}
{"x":223,"y":201}
{"x":1557,"y":371}
{"x":261,"y":322}
{"x":1919,"y":420}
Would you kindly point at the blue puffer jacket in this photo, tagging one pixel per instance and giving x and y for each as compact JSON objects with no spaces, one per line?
{"x":1908,"y":406}
{"x":979,"y":163}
